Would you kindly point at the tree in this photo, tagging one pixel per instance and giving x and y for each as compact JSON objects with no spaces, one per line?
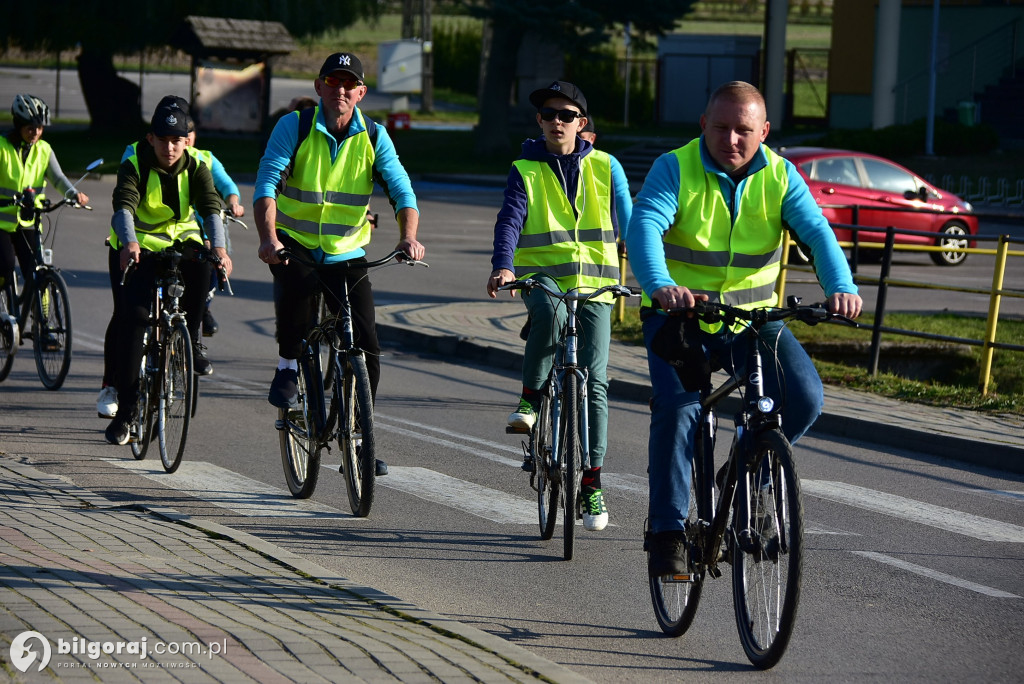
{"x":573,"y":24}
{"x":104,"y":29}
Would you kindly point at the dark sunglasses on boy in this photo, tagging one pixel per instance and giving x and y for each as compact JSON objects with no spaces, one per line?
{"x":346,"y":83}
{"x":564,"y":115}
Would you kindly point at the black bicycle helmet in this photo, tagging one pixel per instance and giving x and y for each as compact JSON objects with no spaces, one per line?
{"x":29,"y":109}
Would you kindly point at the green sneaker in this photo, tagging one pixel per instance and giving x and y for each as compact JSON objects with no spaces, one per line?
{"x":524,"y":416}
{"x":595,"y":513}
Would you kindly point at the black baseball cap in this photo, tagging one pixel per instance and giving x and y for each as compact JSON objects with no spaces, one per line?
{"x":342,"y":61}
{"x":589,"y":128}
{"x":559,"y":89}
{"x":170,"y":121}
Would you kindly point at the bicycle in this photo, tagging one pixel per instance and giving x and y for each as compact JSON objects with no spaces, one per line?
{"x":348,"y":415}
{"x":757,"y":523}
{"x":168,"y":388}
{"x":559,"y":441}
{"x":42,"y":310}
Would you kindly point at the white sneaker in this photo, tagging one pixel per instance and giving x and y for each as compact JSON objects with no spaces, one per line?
{"x":523,"y":417}
{"x":106,"y":404}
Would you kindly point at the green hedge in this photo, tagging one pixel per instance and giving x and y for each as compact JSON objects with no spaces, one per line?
{"x":950,"y":139}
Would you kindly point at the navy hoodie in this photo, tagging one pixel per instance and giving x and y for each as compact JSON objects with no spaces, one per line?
{"x":512,"y":216}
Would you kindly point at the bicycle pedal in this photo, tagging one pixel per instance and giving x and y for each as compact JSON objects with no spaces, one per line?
{"x":509,"y":430}
{"x":677,"y":578}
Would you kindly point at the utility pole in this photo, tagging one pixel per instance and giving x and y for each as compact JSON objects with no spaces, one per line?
{"x":427,"y":100}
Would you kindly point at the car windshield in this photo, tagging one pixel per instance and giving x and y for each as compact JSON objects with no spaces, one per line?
{"x":882,"y":176}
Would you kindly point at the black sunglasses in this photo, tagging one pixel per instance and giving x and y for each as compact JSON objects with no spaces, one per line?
{"x":564,"y":115}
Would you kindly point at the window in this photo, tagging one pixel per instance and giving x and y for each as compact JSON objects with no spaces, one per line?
{"x":837,"y":170}
{"x":883,"y":176}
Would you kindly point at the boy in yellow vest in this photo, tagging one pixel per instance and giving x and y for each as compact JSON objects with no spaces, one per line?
{"x":26,"y":161}
{"x":153,"y":200}
{"x":558,"y":224}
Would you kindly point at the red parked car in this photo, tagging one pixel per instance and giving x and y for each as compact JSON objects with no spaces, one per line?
{"x":877,"y":186}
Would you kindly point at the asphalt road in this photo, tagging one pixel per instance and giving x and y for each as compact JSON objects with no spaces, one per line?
{"x":914,"y":570}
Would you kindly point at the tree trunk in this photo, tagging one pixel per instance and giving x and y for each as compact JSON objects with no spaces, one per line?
{"x":492,"y":132}
{"x":114,"y":103}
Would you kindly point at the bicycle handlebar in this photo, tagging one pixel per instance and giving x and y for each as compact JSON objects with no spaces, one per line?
{"x":714,"y":312}
{"x":573,"y":294}
{"x":397,"y":254}
{"x":19,"y":199}
{"x":199,"y":252}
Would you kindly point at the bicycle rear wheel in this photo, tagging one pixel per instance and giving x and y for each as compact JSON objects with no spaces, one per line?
{"x":174,"y":405}
{"x":8,"y":329}
{"x":51,"y":330}
{"x":675,"y":602}
{"x":548,"y":483}
{"x":768,"y":557}
{"x":144,"y":405}
{"x":299,"y":429}
{"x":571,"y":460}
{"x":355,"y":432}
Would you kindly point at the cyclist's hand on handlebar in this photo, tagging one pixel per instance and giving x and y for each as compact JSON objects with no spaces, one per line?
{"x":845,"y":304}
{"x":676,"y":297}
{"x":225,"y":260}
{"x":499,"y":277}
{"x":236,"y":210}
{"x":268,"y":251}
{"x":130,"y":252}
{"x":413,"y":248}
{"x":82,"y":199}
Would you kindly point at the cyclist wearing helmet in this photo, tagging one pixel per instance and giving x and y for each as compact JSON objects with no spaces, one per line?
{"x":26,"y":161}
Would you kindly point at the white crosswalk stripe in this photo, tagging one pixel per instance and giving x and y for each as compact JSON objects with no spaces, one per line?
{"x":935,"y":575}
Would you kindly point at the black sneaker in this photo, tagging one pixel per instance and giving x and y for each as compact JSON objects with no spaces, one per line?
{"x":382,"y":468}
{"x":210,"y":326}
{"x":118,"y":431}
{"x":200,"y":364}
{"x":284,"y":389}
{"x":666,"y":554}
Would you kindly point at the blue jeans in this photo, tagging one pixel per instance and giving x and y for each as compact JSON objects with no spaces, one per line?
{"x":594,"y":337}
{"x":789,"y":378}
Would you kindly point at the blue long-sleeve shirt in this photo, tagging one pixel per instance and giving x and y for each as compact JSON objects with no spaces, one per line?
{"x":388,"y":171}
{"x":657,"y":204}
{"x":512,"y":215}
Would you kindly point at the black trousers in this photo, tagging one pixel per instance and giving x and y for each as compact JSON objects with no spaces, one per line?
{"x":123,"y":343}
{"x":23,"y":244}
{"x":294,"y":288}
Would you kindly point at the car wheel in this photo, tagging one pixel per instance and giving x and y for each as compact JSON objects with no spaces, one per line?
{"x":953,"y":235}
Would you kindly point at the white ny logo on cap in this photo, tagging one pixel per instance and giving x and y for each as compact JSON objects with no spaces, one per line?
{"x":346,"y":60}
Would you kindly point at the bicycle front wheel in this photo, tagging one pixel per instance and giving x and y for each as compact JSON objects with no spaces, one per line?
{"x":355,"y":433}
{"x":51,"y":330}
{"x":144,"y":405}
{"x":299,"y":430}
{"x":571,"y":460}
{"x":768,"y":556}
{"x":549,"y":485}
{"x":174,"y":403}
{"x":674,"y":598}
{"x":8,"y":329}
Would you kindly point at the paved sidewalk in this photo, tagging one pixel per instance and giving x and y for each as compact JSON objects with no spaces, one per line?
{"x":124,"y":594}
{"x":488,"y":332}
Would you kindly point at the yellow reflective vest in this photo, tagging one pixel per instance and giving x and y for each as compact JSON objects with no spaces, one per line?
{"x":155,"y":224}
{"x":15,"y":176}
{"x":735,"y":262}
{"x":323,"y":204}
{"x":575,"y":248}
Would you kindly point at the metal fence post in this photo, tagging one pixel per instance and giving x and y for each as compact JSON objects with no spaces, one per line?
{"x":883,"y":280}
{"x":993,"y":314}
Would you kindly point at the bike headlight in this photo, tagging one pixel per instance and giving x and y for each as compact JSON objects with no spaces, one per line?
{"x":176,"y":290}
{"x":765,"y":404}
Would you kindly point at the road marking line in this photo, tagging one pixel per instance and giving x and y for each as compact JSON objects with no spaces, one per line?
{"x":228,"y":489}
{"x":1005,"y":493}
{"x":935,"y":575}
{"x":947,"y":519}
{"x":448,"y":443}
{"x":449,"y":433}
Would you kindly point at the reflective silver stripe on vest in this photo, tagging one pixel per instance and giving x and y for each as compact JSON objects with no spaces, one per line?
{"x":311,"y":228}
{"x":565,"y":270}
{"x":313,"y":197}
{"x":555,"y":237}
{"x":686,"y":255}
{"x":750,"y":296}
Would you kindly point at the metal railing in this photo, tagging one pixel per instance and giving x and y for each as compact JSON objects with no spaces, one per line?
{"x":884,"y":281}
